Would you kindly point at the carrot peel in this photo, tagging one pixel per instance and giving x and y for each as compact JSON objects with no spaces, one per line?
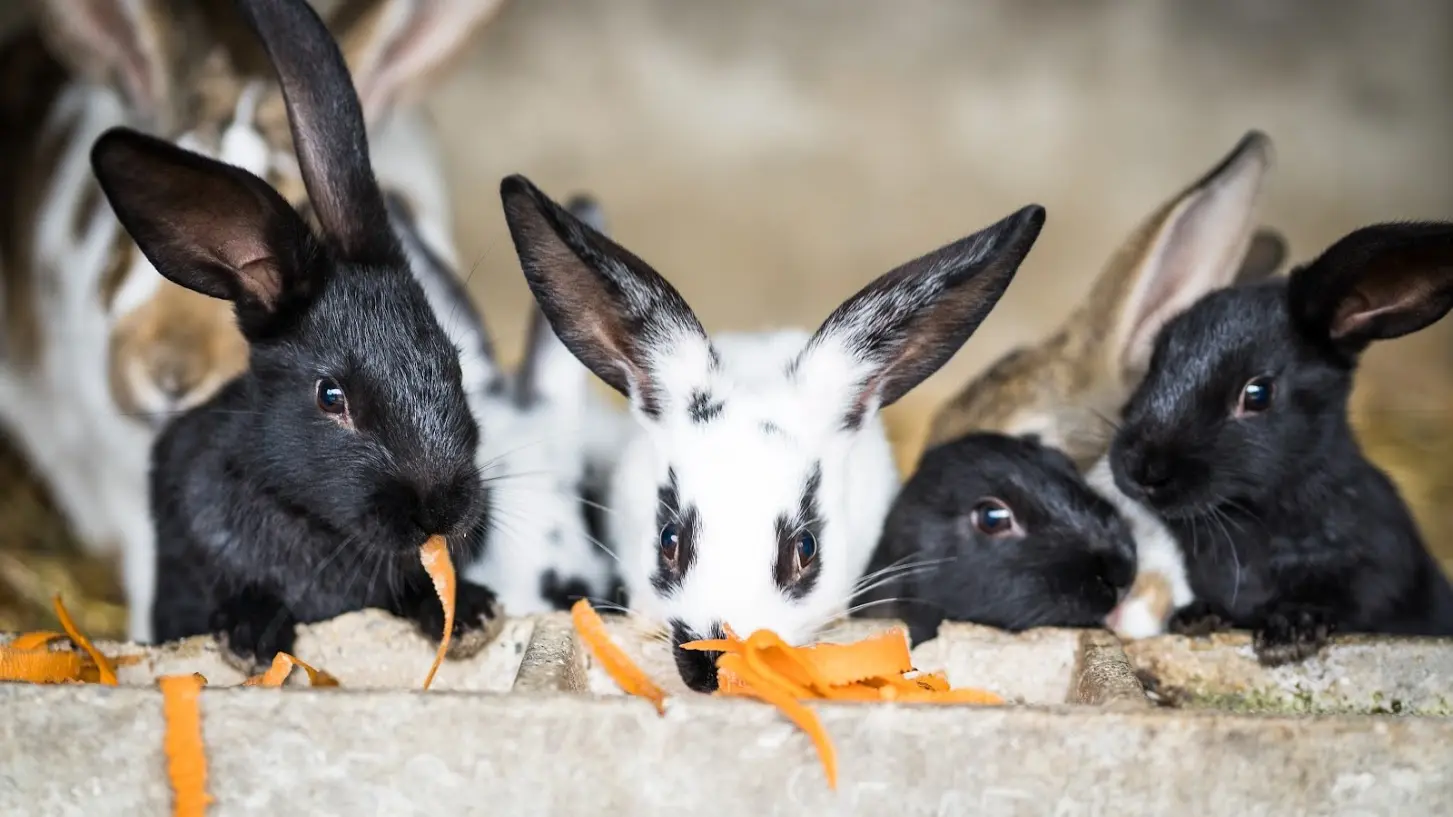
{"x":103,"y":666}
{"x":435,"y":557}
{"x":185,"y":751}
{"x":612,"y":658}
{"x":282,"y":667}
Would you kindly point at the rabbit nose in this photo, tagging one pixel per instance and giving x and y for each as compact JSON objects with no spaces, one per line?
{"x":697,"y":667}
{"x":1151,"y":473}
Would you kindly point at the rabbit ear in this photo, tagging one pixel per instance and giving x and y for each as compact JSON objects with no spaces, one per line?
{"x":208,"y":226}
{"x":902,"y":327}
{"x":1377,"y":283}
{"x":611,"y":310}
{"x":1192,"y":245}
{"x":136,"y":45}
{"x":395,"y":47}
{"x":1264,"y":257}
{"x":549,"y":371}
{"x":327,"y":127}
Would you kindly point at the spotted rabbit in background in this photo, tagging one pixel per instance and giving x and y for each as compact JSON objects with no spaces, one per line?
{"x":99,"y":350}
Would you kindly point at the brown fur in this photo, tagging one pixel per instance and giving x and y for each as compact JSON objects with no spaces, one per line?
{"x":1076,"y":378}
{"x":33,"y":81}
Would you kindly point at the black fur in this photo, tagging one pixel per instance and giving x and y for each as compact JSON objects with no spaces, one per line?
{"x":697,"y":667}
{"x":269,"y":510}
{"x":1287,"y":529}
{"x":671,"y":571}
{"x":1067,"y":562}
{"x":562,"y":593}
{"x":808,"y":519}
{"x":703,"y":409}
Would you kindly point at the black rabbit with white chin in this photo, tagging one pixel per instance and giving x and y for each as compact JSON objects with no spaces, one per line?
{"x":305,"y":487}
{"x":1239,"y":438}
{"x":1002,"y":531}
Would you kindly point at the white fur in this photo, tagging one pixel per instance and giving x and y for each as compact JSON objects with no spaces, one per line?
{"x":740,"y":479}
{"x":1156,"y":551}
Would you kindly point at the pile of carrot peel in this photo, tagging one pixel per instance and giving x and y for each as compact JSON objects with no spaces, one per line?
{"x":41,"y":658}
{"x":765,"y":667}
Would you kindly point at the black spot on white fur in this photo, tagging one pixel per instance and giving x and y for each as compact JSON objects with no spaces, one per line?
{"x":703,"y":409}
{"x":771,"y":429}
{"x":789,"y":528}
{"x":670,"y":572}
{"x":562,"y":594}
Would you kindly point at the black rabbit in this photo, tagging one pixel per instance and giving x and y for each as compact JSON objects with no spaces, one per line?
{"x":305,"y":487}
{"x":1001,"y":531}
{"x":1239,"y":438}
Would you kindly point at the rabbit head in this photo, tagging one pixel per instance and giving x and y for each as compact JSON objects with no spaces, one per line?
{"x":188,"y":72}
{"x":761,"y":474}
{"x":1249,"y":387}
{"x":1068,"y":388}
{"x":1002,"y":531}
{"x":358,"y":411}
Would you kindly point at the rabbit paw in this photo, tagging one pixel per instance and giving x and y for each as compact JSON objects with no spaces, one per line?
{"x":1197,"y":621}
{"x":478,"y":618}
{"x":252,"y":627}
{"x":1291,"y":635}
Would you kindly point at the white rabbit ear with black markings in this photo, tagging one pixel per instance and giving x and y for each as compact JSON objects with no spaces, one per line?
{"x":901,"y":328}
{"x":1194,"y":245}
{"x":615,"y":313}
{"x":1377,"y":283}
{"x":208,"y":226}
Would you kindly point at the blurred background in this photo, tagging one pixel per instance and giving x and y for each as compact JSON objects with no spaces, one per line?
{"x":770,"y":157}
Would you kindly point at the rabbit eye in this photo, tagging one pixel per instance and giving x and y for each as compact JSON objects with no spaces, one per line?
{"x":331,"y":399}
{"x":1255,"y":396}
{"x":993,"y":518}
{"x":806,"y":549}
{"x":670,"y":542}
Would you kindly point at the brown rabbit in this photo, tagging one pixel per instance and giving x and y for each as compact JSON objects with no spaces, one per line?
{"x":1069,"y":388}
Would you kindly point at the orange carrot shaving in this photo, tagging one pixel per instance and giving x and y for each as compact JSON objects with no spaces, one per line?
{"x":185,"y":752}
{"x":39,"y":666}
{"x":282,"y":667}
{"x":34,"y":641}
{"x":765,"y":667}
{"x":612,"y":658}
{"x":790,"y":705}
{"x":435,"y":556}
{"x":106,"y":671}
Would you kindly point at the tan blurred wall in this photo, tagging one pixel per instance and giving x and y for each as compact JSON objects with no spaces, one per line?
{"x":769,"y":157}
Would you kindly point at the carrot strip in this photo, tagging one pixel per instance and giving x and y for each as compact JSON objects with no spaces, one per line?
{"x":713,"y":645}
{"x":42,"y":666}
{"x":804,"y":718}
{"x":185,"y":750}
{"x":962,"y":695}
{"x":769,"y":655}
{"x":612,"y":658}
{"x":282,"y":667}
{"x":103,"y":666}
{"x":879,"y":656}
{"x":435,"y":557}
{"x":34,"y":641}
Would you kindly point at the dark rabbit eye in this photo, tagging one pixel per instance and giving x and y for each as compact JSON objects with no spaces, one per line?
{"x":330,"y":397}
{"x":670,"y":542}
{"x":1256,"y":395}
{"x":993,"y":517}
{"x":806,"y":548}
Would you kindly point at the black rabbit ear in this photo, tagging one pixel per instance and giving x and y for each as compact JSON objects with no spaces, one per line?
{"x":611,"y":310}
{"x":1377,"y":283}
{"x":208,"y":226}
{"x":901,"y":328}
{"x":328,"y":129}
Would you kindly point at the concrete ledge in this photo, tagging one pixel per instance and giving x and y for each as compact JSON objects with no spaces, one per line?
{"x":97,"y":752}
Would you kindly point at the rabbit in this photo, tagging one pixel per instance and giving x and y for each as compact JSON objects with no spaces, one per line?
{"x":1238,"y":437}
{"x":1068,"y":388}
{"x":104,"y":350}
{"x":755,"y":488}
{"x":540,"y":553}
{"x":1001,"y":531}
{"x":304,"y":488}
